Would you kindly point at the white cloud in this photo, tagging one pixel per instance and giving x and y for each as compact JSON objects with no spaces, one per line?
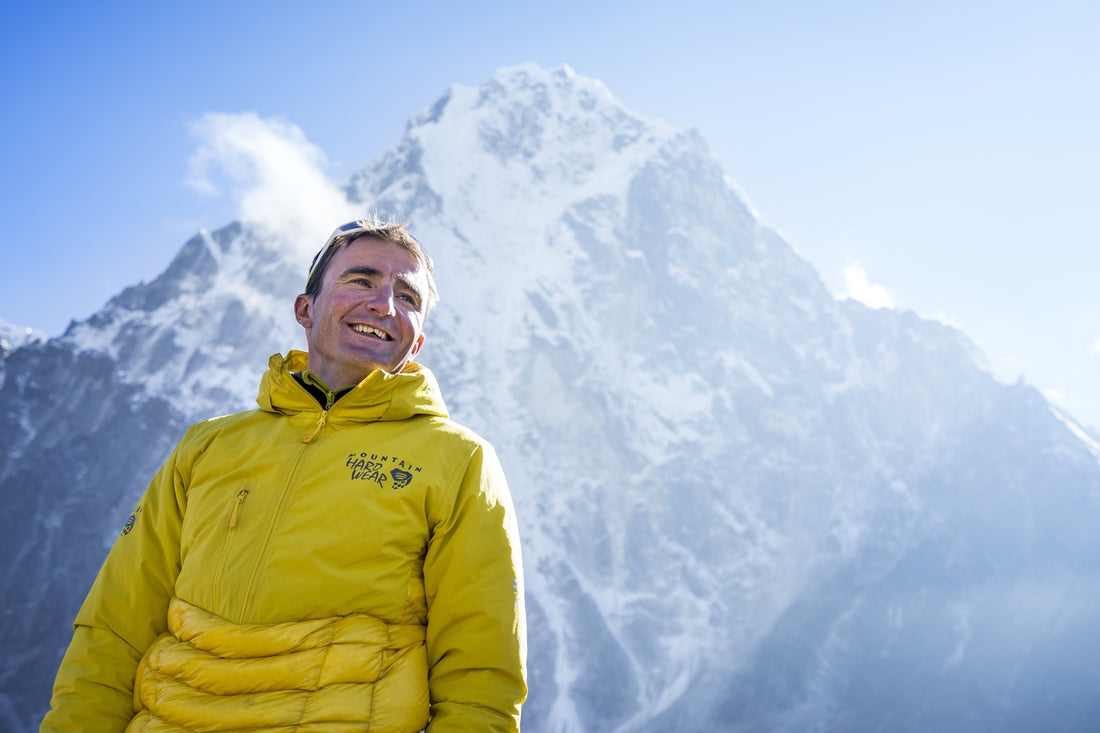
{"x":858,"y":287}
{"x":1094,"y":349}
{"x":274,"y":174}
{"x":1056,"y":396}
{"x":948,"y":320}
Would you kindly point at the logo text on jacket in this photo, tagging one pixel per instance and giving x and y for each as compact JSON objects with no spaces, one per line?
{"x":386,"y":471}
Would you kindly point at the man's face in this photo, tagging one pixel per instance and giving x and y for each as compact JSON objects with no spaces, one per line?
{"x":368,"y":315}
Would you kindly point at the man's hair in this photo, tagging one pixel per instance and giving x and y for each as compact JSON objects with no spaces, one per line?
{"x":387,"y":231}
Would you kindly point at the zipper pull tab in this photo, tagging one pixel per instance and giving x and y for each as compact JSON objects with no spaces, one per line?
{"x":317,"y":430}
{"x":237,"y":507}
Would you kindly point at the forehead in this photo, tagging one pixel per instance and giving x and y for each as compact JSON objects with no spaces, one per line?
{"x":377,"y":254}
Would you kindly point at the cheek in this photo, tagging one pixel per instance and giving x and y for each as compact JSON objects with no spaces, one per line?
{"x":416,"y":328}
{"x":330,"y":309}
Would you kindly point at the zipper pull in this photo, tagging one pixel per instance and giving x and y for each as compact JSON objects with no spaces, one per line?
{"x":317,"y":430}
{"x":237,"y":507}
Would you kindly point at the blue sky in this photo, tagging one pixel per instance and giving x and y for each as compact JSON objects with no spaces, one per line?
{"x":936,"y":156}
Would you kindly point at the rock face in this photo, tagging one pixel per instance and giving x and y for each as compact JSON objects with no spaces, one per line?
{"x":746,"y":506}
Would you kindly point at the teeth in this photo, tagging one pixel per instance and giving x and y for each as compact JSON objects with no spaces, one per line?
{"x":372,"y":331}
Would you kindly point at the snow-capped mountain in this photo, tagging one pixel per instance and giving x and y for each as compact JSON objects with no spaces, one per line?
{"x":745,"y":505}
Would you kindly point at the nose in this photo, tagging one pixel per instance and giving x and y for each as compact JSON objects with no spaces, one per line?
{"x":380,"y":301}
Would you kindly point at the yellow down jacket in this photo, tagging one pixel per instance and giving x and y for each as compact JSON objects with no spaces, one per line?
{"x":294,"y":568}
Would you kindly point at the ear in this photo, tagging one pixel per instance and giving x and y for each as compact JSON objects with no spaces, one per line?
{"x":303,"y":311}
{"x":416,"y":347}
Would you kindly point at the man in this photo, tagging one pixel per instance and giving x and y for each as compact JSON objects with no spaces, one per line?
{"x":344,"y":558}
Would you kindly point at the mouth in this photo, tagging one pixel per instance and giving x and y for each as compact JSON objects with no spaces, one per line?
{"x":371,"y":331}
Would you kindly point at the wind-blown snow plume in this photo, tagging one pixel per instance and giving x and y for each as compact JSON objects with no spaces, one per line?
{"x":273,"y":172}
{"x":858,"y":287}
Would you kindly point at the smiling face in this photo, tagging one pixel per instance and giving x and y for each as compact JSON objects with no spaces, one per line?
{"x":369,"y":313}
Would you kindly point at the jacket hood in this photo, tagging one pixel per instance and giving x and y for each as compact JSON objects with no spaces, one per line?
{"x":380,"y":396}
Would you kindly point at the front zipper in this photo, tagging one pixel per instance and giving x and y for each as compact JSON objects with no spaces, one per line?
{"x":261,"y":559}
{"x":253,"y":580}
{"x":330,"y":398}
{"x":317,"y":430}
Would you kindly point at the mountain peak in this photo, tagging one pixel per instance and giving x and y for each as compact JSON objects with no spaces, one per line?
{"x":12,"y":336}
{"x":540,"y":139}
{"x":527,"y":86}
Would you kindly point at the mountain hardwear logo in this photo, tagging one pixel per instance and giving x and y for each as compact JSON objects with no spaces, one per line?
{"x":401,"y":478}
{"x":130,"y":522}
{"x":391,"y":471}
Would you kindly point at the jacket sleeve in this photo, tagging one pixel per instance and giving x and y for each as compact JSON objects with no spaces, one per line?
{"x":473,"y":579}
{"x":123,"y":613}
